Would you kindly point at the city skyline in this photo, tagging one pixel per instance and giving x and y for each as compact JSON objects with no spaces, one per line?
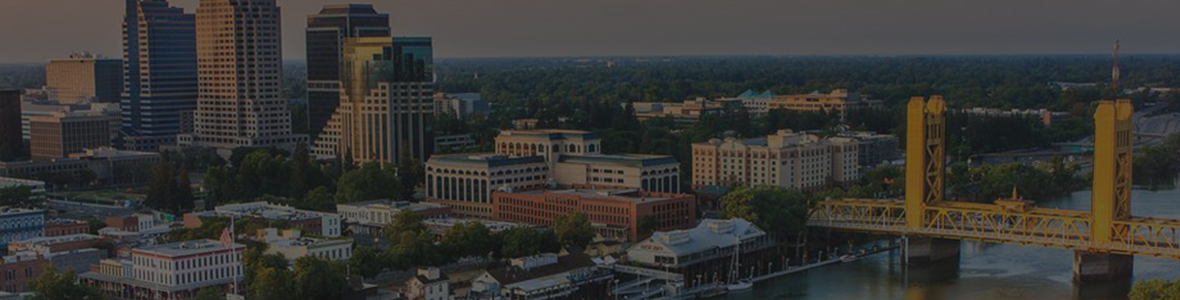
{"x":665,"y":27}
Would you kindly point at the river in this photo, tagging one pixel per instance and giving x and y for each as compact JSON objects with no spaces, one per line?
{"x":985,"y":271}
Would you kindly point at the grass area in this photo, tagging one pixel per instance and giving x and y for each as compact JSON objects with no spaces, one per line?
{"x":105,"y":197}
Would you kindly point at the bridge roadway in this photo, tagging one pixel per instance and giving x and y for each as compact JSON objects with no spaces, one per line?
{"x":1044,"y":227}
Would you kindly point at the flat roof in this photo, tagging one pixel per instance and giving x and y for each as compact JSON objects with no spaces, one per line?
{"x":186,"y":248}
{"x":486,"y":160}
{"x":630,"y":160}
{"x":629,"y":195}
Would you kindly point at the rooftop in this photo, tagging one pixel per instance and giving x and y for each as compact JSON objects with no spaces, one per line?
{"x":186,"y":248}
{"x":630,"y":160}
{"x":629,"y":195}
{"x":710,"y":234}
{"x":551,"y":134}
{"x":511,"y":274}
{"x":484,"y":160}
{"x":268,"y":211}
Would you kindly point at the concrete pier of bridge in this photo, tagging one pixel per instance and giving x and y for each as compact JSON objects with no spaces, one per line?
{"x":1089,"y":267}
{"x":923,"y":250}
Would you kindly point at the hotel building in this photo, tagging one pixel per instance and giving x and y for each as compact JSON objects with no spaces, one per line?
{"x":785,"y":159}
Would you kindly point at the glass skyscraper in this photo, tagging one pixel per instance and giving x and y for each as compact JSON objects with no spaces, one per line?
{"x":159,"y":73}
{"x":326,"y":34}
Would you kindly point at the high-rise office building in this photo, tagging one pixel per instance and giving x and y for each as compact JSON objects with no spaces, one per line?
{"x":326,"y":34}
{"x":11,"y":140}
{"x":160,"y":72}
{"x":84,"y":78}
{"x":386,"y":102}
{"x":240,"y":73}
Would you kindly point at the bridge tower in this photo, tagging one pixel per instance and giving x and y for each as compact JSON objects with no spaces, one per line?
{"x":1111,"y":199}
{"x":925,"y":169}
{"x":925,"y":157}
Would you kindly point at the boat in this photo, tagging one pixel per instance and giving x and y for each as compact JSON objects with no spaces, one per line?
{"x":740,"y":285}
{"x":849,"y":258}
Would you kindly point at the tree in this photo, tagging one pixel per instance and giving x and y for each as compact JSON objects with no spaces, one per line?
{"x":16,"y":196}
{"x":526,"y":241}
{"x":469,"y":239}
{"x":409,"y":174}
{"x":210,"y":294}
{"x":366,"y":261}
{"x":573,"y":230}
{"x":54,"y":285}
{"x":320,"y":199}
{"x":1155,"y":289}
{"x":162,"y":186}
{"x":318,"y":278}
{"x":221,"y":185}
{"x":273,"y":284}
{"x":404,"y":221}
{"x":369,"y":182}
{"x":415,"y":248}
{"x":778,"y":210}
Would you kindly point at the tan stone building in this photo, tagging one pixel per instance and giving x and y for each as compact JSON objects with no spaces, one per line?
{"x":465,"y":182}
{"x":240,"y":75}
{"x":84,"y":78}
{"x":547,"y":143}
{"x":786,"y":159}
{"x":655,"y":173}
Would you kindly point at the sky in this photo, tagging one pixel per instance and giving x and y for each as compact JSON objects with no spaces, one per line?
{"x":39,"y":30}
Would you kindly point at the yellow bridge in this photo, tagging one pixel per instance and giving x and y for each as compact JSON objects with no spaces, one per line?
{"x":1108,"y":231}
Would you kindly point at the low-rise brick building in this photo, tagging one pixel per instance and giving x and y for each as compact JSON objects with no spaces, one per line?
{"x":615,"y":213}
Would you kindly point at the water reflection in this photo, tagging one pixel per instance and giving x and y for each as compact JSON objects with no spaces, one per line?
{"x":984,"y":272}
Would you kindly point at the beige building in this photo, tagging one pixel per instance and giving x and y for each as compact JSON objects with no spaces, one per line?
{"x":240,"y":75}
{"x":655,"y":173}
{"x":465,"y":182}
{"x":786,"y":159}
{"x":84,"y":78}
{"x":547,"y":143}
{"x":63,"y":133}
{"x":838,"y":100}
{"x":686,"y":113}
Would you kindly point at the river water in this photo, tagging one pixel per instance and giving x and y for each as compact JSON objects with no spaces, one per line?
{"x":985,"y":271}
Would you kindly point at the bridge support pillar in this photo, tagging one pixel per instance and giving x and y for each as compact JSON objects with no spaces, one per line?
{"x":1101,"y":267}
{"x":929,"y":250}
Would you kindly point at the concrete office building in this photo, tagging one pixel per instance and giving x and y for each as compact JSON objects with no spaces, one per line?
{"x":110,"y":167}
{"x":168,"y":271}
{"x":159,"y":73}
{"x":547,"y":143}
{"x":64,"y":133}
{"x":240,"y":75}
{"x":460,"y":106}
{"x":615,"y":214}
{"x":84,"y":78}
{"x":327,"y":32}
{"x":386,"y":102}
{"x":655,"y":173}
{"x":11,"y":141}
{"x":785,"y":159}
{"x":465,"y":182}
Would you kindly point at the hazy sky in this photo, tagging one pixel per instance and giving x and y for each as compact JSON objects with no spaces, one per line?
{"x":37,"y":30}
